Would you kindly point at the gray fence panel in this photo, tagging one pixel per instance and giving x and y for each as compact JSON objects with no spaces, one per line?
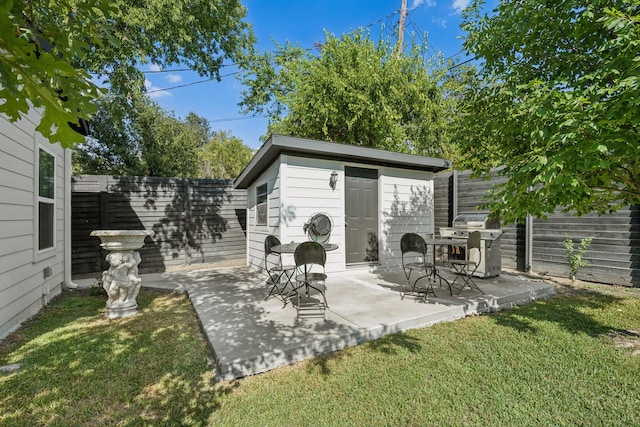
{"x":194,"y":221}
{"x":614,"y":253}
{"x":442,"y":199}
{"x":470,"y":194}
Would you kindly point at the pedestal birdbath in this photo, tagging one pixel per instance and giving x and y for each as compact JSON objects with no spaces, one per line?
{"x":121,"y":280}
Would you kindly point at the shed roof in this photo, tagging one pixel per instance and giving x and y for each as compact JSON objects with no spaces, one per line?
{"x":280,"y":144}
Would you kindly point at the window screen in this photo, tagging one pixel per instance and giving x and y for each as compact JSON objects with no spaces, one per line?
{"x":261,"y":204}
{"x":46,"y":200}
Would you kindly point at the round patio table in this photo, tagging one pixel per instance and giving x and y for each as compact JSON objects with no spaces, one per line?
{"x":289,"y":248}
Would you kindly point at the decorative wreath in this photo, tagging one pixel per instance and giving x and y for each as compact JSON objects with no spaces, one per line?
{"x":319,"y":227}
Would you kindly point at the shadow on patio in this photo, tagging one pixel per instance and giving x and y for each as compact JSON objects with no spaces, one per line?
{"x":249,"y":335}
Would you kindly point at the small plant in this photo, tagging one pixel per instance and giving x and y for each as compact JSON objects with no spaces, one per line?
{"x":96,"y":288}
{"x":575,"y":256}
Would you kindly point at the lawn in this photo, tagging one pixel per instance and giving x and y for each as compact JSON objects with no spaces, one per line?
{"x":552,"y":362}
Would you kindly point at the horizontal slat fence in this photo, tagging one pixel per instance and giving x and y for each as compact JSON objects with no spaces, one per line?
{"x":469,"y":199}
{"x":442,"y":200}
{"x":194,"y":220}
{"x":614,"y":253}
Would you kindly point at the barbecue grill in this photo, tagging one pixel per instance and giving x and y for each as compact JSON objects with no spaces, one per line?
{"x":490,"y":232}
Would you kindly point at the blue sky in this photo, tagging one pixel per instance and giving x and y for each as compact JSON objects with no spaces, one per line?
{"x":303,"y":22}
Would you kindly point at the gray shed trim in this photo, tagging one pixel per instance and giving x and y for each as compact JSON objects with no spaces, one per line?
{"x":279,"y":144}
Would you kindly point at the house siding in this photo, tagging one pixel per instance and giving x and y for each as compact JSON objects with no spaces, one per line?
{"x":257,"y":233}
{"x":308,"y":192}
{"x":407,"y":207}
{"x":24,"y":289}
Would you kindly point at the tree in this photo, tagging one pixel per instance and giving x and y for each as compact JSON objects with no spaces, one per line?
{"x":113,"y":146}
{"x":224,"y":156}
{"x":168,"y":146}
{"x":560,"y":97}
{"x":200,"y":126}
{"x":41,"y":46}
{"x":135,"y":136}
{"x":355,"y":91}
{"x":50,"y":46}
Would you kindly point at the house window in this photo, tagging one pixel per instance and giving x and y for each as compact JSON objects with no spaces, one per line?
{"x":261,"y":204}
{"x":46,"y":200}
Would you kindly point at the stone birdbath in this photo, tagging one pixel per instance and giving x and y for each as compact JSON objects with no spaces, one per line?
{"x":121,"y":280}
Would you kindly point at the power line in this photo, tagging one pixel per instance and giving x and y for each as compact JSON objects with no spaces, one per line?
{"x":233,"y":119}
{"x":177,"y":70}
{"x":455,"y":54}
{"x":190,"y":84}
{"x":461,"y":63}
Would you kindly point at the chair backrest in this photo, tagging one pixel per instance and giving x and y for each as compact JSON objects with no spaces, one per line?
{"x":269,"y":242}
{"x":473,"y":242}
{"x":310,"y":253}
{"x":412,"y":242}
{"x":269,"y":262}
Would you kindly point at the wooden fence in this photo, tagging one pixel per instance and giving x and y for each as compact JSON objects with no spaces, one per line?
{"x":194,"y":220}
{"x":614,"y":253}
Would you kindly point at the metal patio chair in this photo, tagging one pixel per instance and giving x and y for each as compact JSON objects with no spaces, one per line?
{"x":415,"y":258}
{"x":310,"y":256}
{"x":465,"y":268}
{"x":276,"y":270}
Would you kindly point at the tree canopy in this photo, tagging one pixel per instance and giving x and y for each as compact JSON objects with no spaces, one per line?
{"x":42,"y":44}
{"x":557,"y":104}
{"x":50,"y":47}
{"x":133,"y":135}
{"x":224,"y":156}
{"x":354,"y":91}
{"x":142,"y":139}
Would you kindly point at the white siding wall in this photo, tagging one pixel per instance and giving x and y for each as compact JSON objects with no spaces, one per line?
{"x":257,"y":233}
{"x":23,"y":287}
{"x":306,"y":191}
{"x":406,"y":202}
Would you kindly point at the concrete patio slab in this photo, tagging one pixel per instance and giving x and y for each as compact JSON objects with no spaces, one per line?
{"x":249,"y":335}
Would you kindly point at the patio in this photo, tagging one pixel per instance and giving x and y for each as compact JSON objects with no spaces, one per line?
{"x":249,"y":335}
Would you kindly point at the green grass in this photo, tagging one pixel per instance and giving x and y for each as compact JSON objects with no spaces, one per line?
{"x":546,"y":363}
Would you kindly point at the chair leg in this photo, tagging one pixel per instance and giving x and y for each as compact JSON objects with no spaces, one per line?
{"x":274,"y":280}
{"x":412,"y":287}
{"x":322,"y":305}
{"x":277,"y":284}
{"x":466,"y":276}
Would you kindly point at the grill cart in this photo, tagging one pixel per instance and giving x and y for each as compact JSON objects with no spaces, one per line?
{"x":490,"y":232}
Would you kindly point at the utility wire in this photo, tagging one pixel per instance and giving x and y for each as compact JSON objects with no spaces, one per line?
{"x":176,"y":70}
{"x":461,"y":63}
{"x":191,"y":84}
{"x":233,"y":119}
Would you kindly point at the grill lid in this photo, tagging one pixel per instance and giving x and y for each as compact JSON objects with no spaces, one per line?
{"x":475,"y":220}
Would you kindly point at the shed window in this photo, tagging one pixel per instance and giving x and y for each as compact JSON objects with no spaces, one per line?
{"x":46,"y":200}
{"x":261,"y":204}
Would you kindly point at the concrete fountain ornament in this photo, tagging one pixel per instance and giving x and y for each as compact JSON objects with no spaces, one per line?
{"x":121,"y":281}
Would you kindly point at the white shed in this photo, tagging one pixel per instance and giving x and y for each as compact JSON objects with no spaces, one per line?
{"x":372,"y":196}
{"x":35,"y":220}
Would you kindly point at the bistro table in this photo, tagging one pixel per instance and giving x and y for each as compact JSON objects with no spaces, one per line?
{"x":289,"y":248}
{"x":439,"y":242}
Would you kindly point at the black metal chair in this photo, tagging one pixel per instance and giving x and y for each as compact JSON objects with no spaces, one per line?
{"x":415,"y":258}
{"x":310,"y":256}
{"x":276,"y":270}
{"x":465,"y":268}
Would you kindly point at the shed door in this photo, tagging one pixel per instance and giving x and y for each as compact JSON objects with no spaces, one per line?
{"x":361,"y":207}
